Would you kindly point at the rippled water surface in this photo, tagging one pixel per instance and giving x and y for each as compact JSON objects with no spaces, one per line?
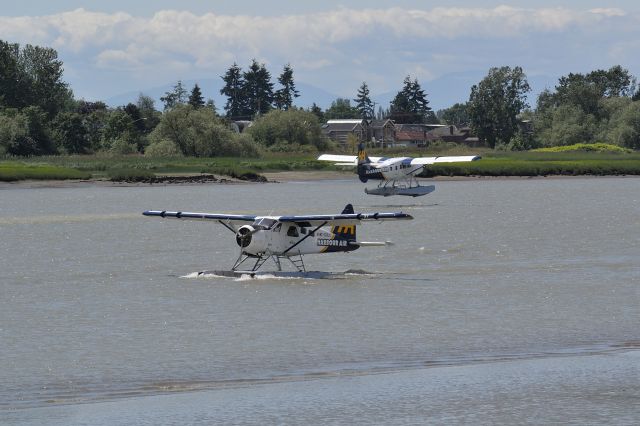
{"x":502,"y":300}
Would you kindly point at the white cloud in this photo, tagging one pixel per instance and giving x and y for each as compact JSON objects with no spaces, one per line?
{"x":608,"y":12}
{"x":204,"y":37}
{"x":335,"y":44}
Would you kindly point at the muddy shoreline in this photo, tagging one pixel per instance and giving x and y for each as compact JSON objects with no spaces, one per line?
{"x":271,"y":177}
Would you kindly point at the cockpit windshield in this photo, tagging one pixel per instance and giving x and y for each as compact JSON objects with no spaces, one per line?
{"x":264,"y":223}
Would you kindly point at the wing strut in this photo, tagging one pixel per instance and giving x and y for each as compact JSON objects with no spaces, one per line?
{"x":227,"y":226}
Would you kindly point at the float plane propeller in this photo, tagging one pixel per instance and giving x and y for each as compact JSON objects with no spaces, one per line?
{"x":288,"y":237}
{"x":397,"y":174}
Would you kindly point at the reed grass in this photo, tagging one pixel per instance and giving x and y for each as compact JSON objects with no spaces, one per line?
{"x":538,"y":167}
{"x":14,"y":171}
{"x":493,"y":163}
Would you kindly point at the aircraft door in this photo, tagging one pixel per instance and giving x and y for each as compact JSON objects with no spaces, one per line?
{"x":274,"y":238}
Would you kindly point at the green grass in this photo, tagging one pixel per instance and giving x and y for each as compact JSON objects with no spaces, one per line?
{"x":14,"y":171}
{"x":586,"y":147}
{"x":101,"y":165}
{"x":493,"y":163}
{"x":506,"y":166}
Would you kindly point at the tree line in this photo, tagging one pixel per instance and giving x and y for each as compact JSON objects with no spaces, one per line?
{"x":599,"y":106}
{"x":40,"y":116}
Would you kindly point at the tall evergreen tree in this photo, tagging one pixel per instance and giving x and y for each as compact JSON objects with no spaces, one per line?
{"x":195,"y":99}
{"x":317,"y":111}
{"x":212,"y":106}
{"x":233,"y":89}
{"x":410,"y":105}
{"x":364,"y":104}
{"x":283,"y":97}
{"x":258,"y":89}
{"x":178,"y":96}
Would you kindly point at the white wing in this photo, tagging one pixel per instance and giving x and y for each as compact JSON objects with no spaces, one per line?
{"x":231,"y":221}
{"x":344,"y":218}
{"x":345,"y":160}
{"x":433,"y":160}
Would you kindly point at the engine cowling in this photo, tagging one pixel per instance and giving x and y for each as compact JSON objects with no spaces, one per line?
{"x":251,"y":240}
{"x":244,"y":236}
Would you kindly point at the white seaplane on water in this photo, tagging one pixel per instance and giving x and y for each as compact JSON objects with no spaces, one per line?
{"x":287,"y":237}
{"x":397,"y":174}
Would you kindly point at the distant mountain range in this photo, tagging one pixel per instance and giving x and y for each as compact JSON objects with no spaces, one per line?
{"x":442,"y":92}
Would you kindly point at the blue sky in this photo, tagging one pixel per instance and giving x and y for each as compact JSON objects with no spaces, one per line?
{"x":113,"y":47}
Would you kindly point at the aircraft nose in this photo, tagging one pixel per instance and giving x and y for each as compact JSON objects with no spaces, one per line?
{"x":243,"y":236}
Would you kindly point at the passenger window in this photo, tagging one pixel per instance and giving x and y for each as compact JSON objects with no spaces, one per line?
{"x":293,"y":231}
{"x":303,"y":230}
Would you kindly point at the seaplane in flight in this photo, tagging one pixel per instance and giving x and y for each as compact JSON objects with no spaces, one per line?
{"x":260,"y":238}
{"x":397,"y":174}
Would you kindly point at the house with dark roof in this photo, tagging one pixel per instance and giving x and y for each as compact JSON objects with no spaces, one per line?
{"x":339,"y":130}
{"x":410,"y":135}
{"x":382,"y":133}
{"x":386,"y":133}
{"x":421,"y":135}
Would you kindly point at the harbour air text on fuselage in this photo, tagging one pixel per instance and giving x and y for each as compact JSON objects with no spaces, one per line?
{"x":260,"y":238}
{"x":397,"y":174}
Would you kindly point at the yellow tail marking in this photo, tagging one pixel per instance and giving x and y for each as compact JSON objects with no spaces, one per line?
{"x":346,"y":229}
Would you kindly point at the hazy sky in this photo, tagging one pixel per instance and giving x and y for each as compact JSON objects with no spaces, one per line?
{"x":116,"y":46}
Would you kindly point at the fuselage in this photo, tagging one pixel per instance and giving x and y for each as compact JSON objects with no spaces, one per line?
{"x":270,"y":237}
{"x":388,"y":169}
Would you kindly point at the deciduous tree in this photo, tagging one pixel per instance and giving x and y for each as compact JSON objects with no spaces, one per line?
{"x":341,"y":109}
{"x":456,"y":115}
{"x":495,"y":102}
{"x":70,"y":134}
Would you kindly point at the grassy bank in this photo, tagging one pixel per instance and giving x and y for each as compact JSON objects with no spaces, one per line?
{"x":493,"y":163}
{"x":139,"y":167}
{"x":14,"y":171}
{"x":543,"y":164}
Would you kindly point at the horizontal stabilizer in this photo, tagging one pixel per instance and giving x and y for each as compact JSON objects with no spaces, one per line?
{"x":373,"y":243}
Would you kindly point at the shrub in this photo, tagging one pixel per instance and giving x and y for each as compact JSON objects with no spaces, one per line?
{"x":129,"y":175}
{"x":293,"y":126}
{"x":123,"y":146}
{"x":585,"y":147}
{"x":162,"y":148}
{"x":200,"y":133}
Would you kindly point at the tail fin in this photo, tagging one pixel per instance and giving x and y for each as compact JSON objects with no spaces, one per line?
{"x":363,"y":158}
{"x":345,"y":232}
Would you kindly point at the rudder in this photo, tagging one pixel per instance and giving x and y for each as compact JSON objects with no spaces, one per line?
{"x":345,"y":232}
